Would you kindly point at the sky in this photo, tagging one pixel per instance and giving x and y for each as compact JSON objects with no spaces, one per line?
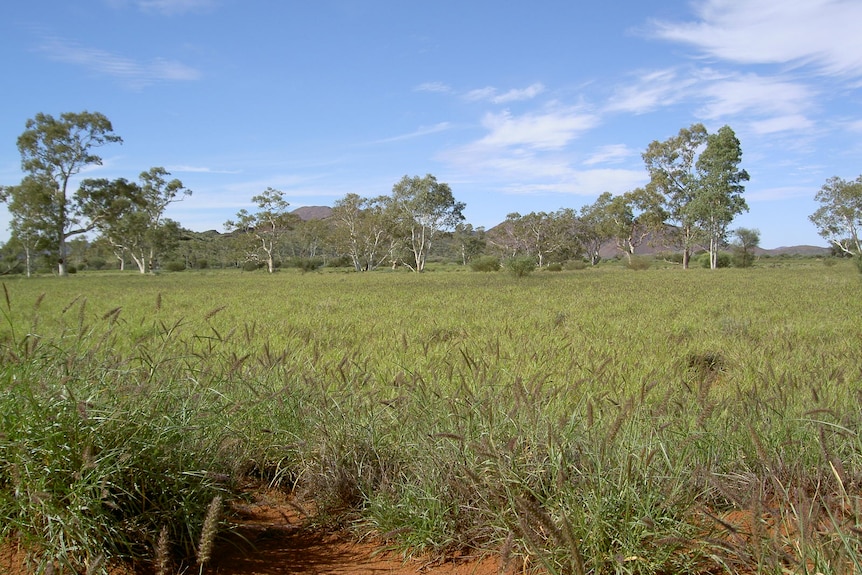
{"x":519,"y":106}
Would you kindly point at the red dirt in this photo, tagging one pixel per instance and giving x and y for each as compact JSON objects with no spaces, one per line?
{"x":271,"y":537}
{"x":277,"y":541}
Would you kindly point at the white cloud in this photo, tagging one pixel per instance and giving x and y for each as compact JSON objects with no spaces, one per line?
{"x":421,"y":131}
{"x":527,"y":93}
{"x":543,"y":131}
{"x":530,"y":153}
{"x":485,"y":93}
{"x":610,"y":154}
{"x":438,"y":87}
{"x":133,"y":73}
{"x":651,"y":90}
{"x":824,"y":33}
{"x":792,"y":122}
{"x":489,"y":93}
{"x":751,"y":93}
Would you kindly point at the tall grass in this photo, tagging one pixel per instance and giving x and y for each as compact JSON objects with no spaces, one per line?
{"x":601,"y":421}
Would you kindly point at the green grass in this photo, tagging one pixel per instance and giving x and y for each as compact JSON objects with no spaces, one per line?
{"x":593,"y":421}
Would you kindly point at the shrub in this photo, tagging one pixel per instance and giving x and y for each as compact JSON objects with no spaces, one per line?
{"x":555,"y":267}
{"x":485,"y":264}
{"x":251,"y":266}
{"x":521,"y":266}
{"x":96,"y":263}
{"x":639,"y":263}
{"x":175,"y":265}
{"x":308,"y":264}
{"x":575,"y":265}
{"x":722,"y":260}
{"x":339,"y":262}
{"x":71,"y":269}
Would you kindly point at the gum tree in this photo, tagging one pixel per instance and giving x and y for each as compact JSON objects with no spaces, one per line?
{"x":422,"y":208}
{"x":698,"y":175}
{"x":720,"y":186}
{"x":839,"y":217}
{"x":132,"y":216}
{"x":267,"y":226}
{"x":53,"y":151}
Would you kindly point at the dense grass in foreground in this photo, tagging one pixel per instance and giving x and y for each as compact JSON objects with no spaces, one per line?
{"x":597,"y":421}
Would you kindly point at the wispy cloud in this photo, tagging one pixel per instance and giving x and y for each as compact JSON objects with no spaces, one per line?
{"x":438,"y":87}
{"x":530,"y":153}
{"x":650,"y":91}
{"x":490,"y":94}
{"x":751,"y":93}
{"x":822,"y":33}
{"x":132,"y":73}
{"x":611,"y":154}
{"x":550,"y":130}
{"x":422,"y":131}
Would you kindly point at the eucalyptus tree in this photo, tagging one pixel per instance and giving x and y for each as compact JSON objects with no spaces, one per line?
{"x":698,"y":175}
{"x":131,"y":216}
{"x":53,"y":151}
{"x":422,"y":208}
{"x":720,"y":187}
{"x":362,"y":231}
{"x":839,"y":217}
{"x":746,"y":240}
{"x":266,"y":227}
{"x":671,"y":166}
{"x":628,"y":219}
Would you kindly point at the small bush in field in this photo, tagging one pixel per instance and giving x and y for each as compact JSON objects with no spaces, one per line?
{"x":521,"y":266}
{"x":576,"y":265}
{"x":175,"y":266}
{"x":308,"y":264}
{"x":485,"y":264}
{"x":250,"y":266}
{"x":555,"y":267}
{"x":639,"y":263}
{"x":96,"y":263}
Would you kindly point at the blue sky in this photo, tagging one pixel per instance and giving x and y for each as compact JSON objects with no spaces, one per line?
{"x":519,"y":106}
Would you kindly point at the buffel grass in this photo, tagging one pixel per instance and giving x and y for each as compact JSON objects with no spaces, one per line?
{"x":592,"y":421}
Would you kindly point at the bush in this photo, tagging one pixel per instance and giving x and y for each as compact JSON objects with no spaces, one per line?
{"x":722,"y":260}
{"x":96,"y":263}
{"x":175,"y":265}
{"x":521,"y":266}
{"x":555,"y":267}
{"x":308,"y":264}
{"x":485,"y":264}
{"x":575,"y":265}
{"x":339,"y":262}
{"x":639,"y":263}
{"x":71,"y":269}
{"x":251,"y":266}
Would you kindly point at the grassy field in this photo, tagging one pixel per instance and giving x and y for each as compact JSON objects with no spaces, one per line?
{"x":592,"y":421}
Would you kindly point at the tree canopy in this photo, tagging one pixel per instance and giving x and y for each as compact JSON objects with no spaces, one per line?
{"x":839,"y":217}
{"x":52,"y":152}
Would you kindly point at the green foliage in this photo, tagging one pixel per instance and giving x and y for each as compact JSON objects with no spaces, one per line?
{"x":639,"y":263}
{"x":575,"y":265}
{"x":722,"y":260}
{"x":555,"y":267}
{"x":521,"y":266}
{"x":590,"y":431}
{"x":485,"y":264}
{"x":175,"y":265}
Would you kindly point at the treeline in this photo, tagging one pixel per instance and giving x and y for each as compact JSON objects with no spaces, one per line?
{"x":694,"y":193}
